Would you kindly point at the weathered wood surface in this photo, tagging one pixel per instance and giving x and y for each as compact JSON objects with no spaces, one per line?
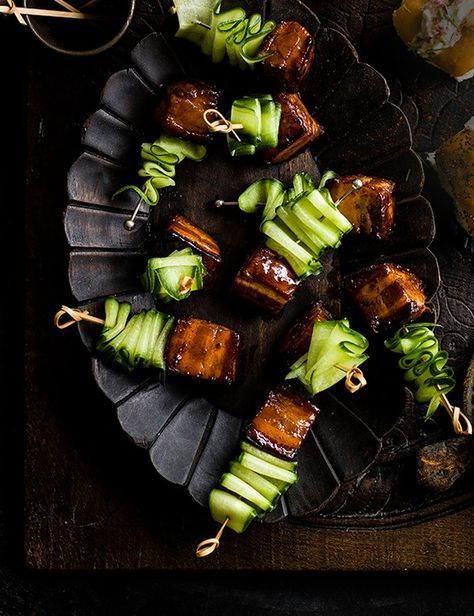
{"x":92,"y":501}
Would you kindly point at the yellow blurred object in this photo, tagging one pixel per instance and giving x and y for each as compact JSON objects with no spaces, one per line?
{"x":456,"y":59}
{"x":455,"y":164}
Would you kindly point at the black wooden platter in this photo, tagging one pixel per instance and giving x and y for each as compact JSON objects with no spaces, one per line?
{"x":190,"y":431}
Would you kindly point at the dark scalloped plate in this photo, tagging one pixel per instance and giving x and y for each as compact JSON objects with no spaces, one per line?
{"x":182,"y":425}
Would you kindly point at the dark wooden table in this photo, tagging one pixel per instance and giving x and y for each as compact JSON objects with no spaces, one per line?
{"x":93,"y":501}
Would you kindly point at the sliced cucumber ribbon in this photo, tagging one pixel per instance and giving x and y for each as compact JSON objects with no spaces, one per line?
{"x":259,"y":117}
{"x":231,"y":33}
{"x":335,"y":350}
{"x":174,"y":277}
{"x":159,"y":160}
{"x":136,"y":341}
{"x":301,"y":223}
{"x":423,"y":363}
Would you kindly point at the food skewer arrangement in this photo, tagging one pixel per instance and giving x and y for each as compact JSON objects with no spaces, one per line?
{"x":300,"y":223}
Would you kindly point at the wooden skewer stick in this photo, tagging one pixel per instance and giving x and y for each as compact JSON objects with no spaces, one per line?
{"x":208,"y":546}
{"x":88,"y":4}
{"x":355,"y":378}
{"x":185,"y":284}
{"x":460,"y":421}
{"x":67,"y":6}
{"x":12,"y":9}
{"x":76,"y":315}
{"x":221,"y":125}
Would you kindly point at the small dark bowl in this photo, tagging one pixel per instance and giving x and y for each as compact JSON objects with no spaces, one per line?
{"x":81,"y":38}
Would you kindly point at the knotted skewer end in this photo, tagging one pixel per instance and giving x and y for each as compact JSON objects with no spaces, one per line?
{"x":76,"y":316}
{"x":208,"y":546}
{"x":355,"y":378}
{"x":221,"y":124}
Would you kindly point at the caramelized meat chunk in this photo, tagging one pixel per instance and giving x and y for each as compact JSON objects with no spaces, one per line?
{"x":266,"y":280}
{"x":371,"y":209}
{"x":282,"y":423}
{"x":180,"y":111}
{"x":297,"y":339}
{"x":298,"y":129}
{"x":386,"y":294}
{"x":203,"y":350}
{"x":189,"y":233}
{"x":292,"y":53}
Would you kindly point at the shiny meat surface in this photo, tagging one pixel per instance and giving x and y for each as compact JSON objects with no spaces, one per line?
{"x":189,"y":233}
{"x":292,"y":53}
{"x":180,"y":111}
{"x":386,"y":294}
{"x":298,"y":129}
{"x":203,"y":350}
{"x":297,"y":339}
{"x":266,"y":280}
{"x":371,"y":209}
{"x":282,"y":423}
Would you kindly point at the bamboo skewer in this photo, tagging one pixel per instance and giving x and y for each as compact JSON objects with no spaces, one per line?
{"x":208,"y":546}
{"x":221,"y":125}
{"x":76,"y":315}
{"x":355,"y":378}
{"x":11,"y":9}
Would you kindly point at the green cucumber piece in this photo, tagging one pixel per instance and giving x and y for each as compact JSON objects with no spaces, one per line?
{"x":271,"y":114}
{"x":158,"y":359}
{"x":189,"y":12}
{"x":247,"y":111}
{"x":266,"y":192}
{"x":247,"y":447}
{"x":143,"y":352}
{"x":224,"y":22}
{"x":264,"y":487}
{"x":291,"y":221}
{"x":280,"y":234}
{"x":239,"y":148}
{"x":111,"y":307}
{"x":328,"y":211}
{"x":225,"y":506}
{"x":301,"y":269}
{"x":324,"y":230}
{"x":158,"y":324}
{"x":181,"y":148}
{"x":281,"y":486}
{"x":267,"y":469}
{"x":319,"y":340}
{"x":244,"y":490}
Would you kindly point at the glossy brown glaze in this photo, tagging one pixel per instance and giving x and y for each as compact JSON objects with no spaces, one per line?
{"x":266,"y":280}
{"x":298,"y":129}
{"x":386,"y":294}
{"x":203,"y":350}
{"x":189,"y":233}
{"x":180,"y":110}
{"x":371,"y":209}
{"x":297,"y":339}
{"x":282,"y":423}
{"x":292,"y":53}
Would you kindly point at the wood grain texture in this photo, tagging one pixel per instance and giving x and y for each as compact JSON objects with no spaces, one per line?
{"x":90,"y":506}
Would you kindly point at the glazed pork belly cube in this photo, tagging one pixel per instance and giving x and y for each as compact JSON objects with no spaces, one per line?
{"x":180,"y":110}
{"x":267,"y":280}
{"x":203,"y":350}
{"x":371,"y":209}
{"x":386,"y":294}
{"x":298,"y":129}
{"x":297,"y":339}
{"x":292,"y":53}
{"x":187,"y":232}
{"x":282,"y":423}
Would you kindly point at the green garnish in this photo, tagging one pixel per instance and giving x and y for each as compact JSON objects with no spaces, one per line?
{"x":301,"y":223}
{"x":231,"y":33}
{"x":260,"y":118}
{"x":335,"y":349}
{"x":423,"y":363}
{"x":174,"y":276}
{"x":138,"y":342}
{"x":159,"y":160}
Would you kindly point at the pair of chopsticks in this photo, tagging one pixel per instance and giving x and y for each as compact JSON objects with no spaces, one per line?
{"x":71,"y":12}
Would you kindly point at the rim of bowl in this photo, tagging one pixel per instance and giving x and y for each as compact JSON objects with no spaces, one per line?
{"x":87,"y":52}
